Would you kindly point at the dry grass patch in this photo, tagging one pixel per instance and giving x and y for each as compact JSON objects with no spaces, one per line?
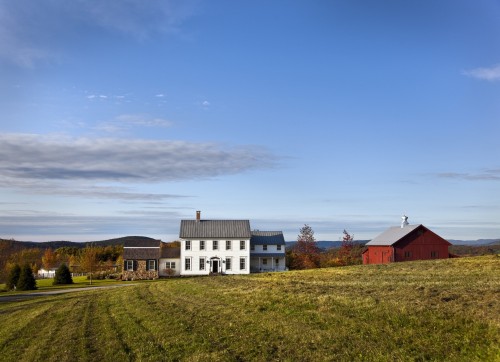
{"x":431,"y":310}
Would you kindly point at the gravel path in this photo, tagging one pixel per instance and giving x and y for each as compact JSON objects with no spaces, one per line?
{"x":23,"y":296}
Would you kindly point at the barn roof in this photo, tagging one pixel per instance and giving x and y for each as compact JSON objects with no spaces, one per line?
{"x":215,"y":229}
{"x":267,"y":238}
{"x":392,"y":235}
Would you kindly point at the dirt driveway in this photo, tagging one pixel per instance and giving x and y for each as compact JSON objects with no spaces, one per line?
{"x":23,"y":296}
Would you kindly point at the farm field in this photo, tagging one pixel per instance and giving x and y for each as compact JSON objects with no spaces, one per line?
{"x":447,"y":310}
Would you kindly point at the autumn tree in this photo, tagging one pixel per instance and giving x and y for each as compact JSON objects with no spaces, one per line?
{"x":26,"y":279}
{"x":49,"y":259}
{"x":305,"y":253}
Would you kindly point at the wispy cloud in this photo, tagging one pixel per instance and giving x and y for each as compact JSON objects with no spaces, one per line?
{"x":486,"y":175}
{"x":126,"y":122}
{"x":41,"y":226}
{"x":490,"y":74}
{"x":35,"y":157}
{"x":34,"y":31}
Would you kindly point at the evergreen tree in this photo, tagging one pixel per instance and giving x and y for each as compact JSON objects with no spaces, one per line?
{"x":63,"y":276}
{"x":26,"y":279}
{"x":14,"y":273}
{"x":305,"y":253}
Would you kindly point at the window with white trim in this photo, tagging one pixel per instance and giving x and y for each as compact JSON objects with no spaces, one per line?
{"x":243,"y":264}
{"x":170,"y":265}
{"x":278,"y":247}
{"x":151,"y":264}
{"x":264,"y":261}
{"x":129,"y":265}
{"x":228,"y":263}
{"x":242,"y":245}
{"x":264,"y":247}
{"x":188,"y":244}
{"x":277,"y":262}
{"x":202,"y":244}
{"x":215,"y":245}
{"x":252,"y":247}
{"x":187,"y":264}
{"x":228,"y":244}
{"x":202,"y":263}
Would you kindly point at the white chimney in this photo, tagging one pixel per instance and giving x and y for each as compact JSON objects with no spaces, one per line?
{"x":404,"y":221}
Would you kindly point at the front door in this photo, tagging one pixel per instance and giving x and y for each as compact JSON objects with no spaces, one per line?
{"x":215,"y":266}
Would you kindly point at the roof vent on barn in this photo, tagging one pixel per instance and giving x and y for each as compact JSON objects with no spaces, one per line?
{"x":404,"y":221}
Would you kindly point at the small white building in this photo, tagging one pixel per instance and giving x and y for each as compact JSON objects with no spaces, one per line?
{"x":46,"y":273}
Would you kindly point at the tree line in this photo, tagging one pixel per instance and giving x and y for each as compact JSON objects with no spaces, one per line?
{"x":95,"y":259}
{"x":305,"y":254}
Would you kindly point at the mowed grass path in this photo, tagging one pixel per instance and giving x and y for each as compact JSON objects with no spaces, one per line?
{"x":432,"y":310}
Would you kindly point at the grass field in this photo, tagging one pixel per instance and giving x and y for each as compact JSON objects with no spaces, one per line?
{"x":416,"y":311}
{"x":78,"y":282}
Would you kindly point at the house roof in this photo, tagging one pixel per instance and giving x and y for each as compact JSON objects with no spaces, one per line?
{"x":170,"y":253}
{"x":215,"y":229}
{"x":267,"y":238}
{"x":392,"y":235}
{"x":141,"y":253}
{"x":141,"y":243}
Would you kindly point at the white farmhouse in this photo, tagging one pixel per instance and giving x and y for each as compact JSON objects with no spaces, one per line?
{"x":215,"y":246}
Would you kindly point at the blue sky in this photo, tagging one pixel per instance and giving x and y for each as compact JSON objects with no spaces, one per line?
{"x":124,"y":117}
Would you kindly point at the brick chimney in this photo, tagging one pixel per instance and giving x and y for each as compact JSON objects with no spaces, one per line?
{"x":198,"y":215}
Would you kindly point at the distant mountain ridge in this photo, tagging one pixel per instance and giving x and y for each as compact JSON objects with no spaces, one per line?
{"x":73,"y":244}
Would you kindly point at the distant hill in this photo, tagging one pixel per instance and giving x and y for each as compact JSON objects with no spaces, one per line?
{"x":478,"y":242}
{"x":59,"y":244}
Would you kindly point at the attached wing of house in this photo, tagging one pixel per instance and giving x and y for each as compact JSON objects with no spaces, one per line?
{"x":267,"y":251}
{"x":140,"y":259}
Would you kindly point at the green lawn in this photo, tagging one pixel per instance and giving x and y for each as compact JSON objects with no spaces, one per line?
{"x":46,"y":284}
{"x":444,"y":310}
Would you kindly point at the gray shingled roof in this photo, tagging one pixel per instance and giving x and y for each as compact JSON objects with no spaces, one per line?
{"x":170,"y":253}
{"x":141,"y":253}
{"x":215,"y":229}
{"x":392,"y":235}
{"x":267,"y":238}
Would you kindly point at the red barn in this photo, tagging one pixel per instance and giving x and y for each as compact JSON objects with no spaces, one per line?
{"x":404,"y":243}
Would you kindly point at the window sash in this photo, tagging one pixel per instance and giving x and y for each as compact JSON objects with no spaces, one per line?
{"x":215,"y":245}
{"x":202,"y":244}
{"x":188,"y":244}
{"x":202,"y":263}
{"x":228,"y":244}
{"x":278,"y":247}
{"x":264,"y":247}
{"x":242,"y":244}
{"x":151,"y":265}
{"x":242,"y":264}
{"x":187,"y":264}
{"x":130,"y":265}
{"x":228,"y":263}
